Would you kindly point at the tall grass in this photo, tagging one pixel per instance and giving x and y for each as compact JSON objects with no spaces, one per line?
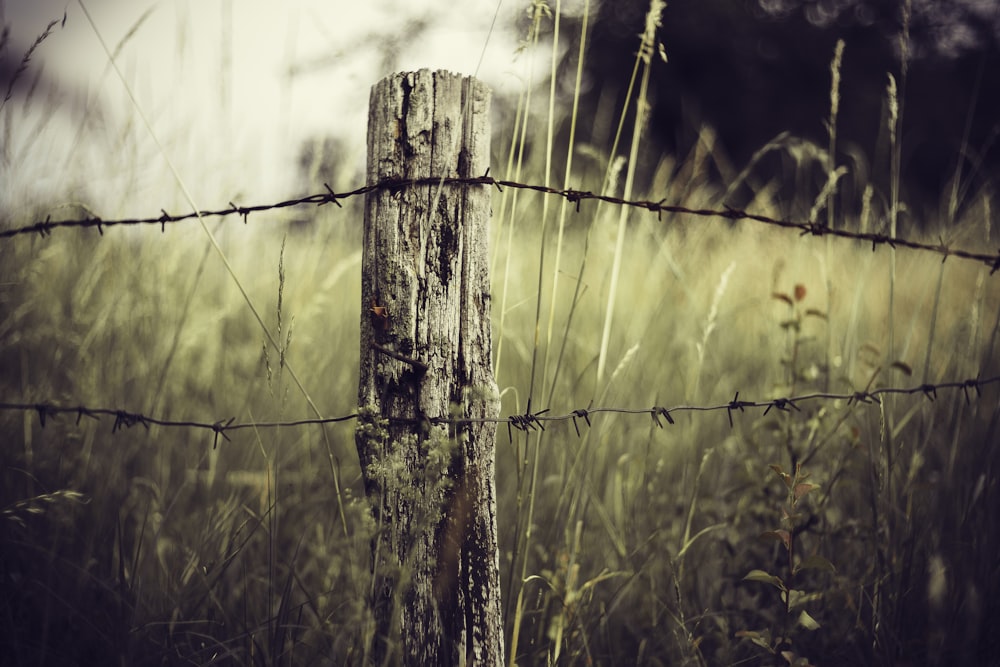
{"x":630,"y":542}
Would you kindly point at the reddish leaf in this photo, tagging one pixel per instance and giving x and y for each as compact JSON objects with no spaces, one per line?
{"x":802,"y":488}
{"x":782,"y":536}
{"x":785,"y":477}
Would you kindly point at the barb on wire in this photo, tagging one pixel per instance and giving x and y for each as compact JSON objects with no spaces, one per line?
{"x":576,"y":197}
{"x":529,"y":421}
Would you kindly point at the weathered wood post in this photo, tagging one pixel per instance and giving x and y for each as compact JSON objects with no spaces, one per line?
{"x":425,"y":357}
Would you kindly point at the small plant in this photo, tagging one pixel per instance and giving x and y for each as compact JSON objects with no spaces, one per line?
{"x":801,"y":431}
{"x":792,"y":616}
{"x":799,"y":372}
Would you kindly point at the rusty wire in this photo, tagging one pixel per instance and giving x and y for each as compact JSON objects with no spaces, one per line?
{"x":529,"y":421}
{"x":45,"y":227}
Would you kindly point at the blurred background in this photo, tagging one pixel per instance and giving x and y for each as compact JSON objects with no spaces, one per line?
{"x":240,"y":91}
{"x":251,"y":87}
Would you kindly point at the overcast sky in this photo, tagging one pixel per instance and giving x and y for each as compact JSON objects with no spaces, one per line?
{"x":231,"y":87}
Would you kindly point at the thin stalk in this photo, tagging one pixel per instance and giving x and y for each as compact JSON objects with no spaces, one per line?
{"x":520,"y":122}
{"x":563,"y":209}
{"x":835,"y":65}
{"x":524,"y":520}
{"x":648,"y":48}
{"x":546,"y":179}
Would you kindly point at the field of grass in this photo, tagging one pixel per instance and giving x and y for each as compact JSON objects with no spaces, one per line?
{"x":832,"y":533}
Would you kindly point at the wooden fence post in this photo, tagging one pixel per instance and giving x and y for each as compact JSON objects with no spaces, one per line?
{"x":425,"y":356}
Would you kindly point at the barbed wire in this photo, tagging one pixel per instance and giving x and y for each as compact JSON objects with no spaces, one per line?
{"x":528,"y":421}
{"x":577,"y":197}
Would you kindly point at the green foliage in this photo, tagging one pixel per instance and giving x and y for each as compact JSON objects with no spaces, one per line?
{"x":780,"y":640}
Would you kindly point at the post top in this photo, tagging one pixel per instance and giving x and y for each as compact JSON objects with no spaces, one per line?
{"x":426,"y":72}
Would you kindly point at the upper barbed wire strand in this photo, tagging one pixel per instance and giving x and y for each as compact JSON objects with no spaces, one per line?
{"x":810,"y":228}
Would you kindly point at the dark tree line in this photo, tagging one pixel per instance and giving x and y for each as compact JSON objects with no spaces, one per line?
{"x":755,"y":68}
